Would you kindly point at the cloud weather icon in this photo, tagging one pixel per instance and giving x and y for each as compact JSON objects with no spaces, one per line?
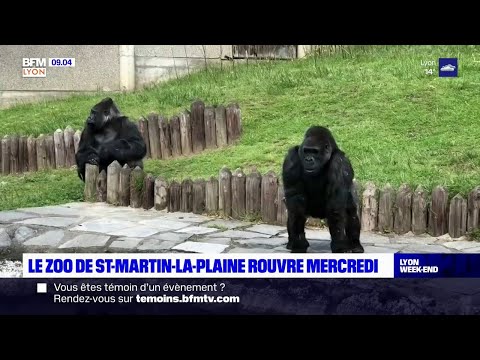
{"x":448,"y":67}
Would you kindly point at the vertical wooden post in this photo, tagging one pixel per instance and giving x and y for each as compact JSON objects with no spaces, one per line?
{"x":282,"y":214}
{"x":124,"y":186}
{"x":186,"y":205}
{"x":41,"y":152}
{"x":102,"y":186}
{"x":59,"y":143}
{"x":419,"y":211}
{"x":161,"y":194}
{"x":238,"y":194}
{"x":473,"y":209}
{"x":76,"y":139}
{"x":136,"y":187}
{"x":175,"y":196}
{"x":269,"y":197}
{"x":225,"y":192}
{"x":175,"y":136}
{"x":253,"y":189}
{"x":90,"y":190}
{"x":210,"y":128}
{"x":154,"y":136}
{"x":14,"y":168}
{"x":457,"y":217}
{"x":211,"y":195}
{"x":148,"y":192}
{"x":221,"y":126}
{"x":32,"y":153}
{"x":113,"y":179}
{"x":50,"y":152}
{"x":143,"y":128}
{"x":165,"y":141}
{"x":386,"y":209}
{"x":198,"y":126}
{"x":22,"y":154}
{"x":6,"y":155}
{"x":186,"y":133}
{"x":198,"y":206}
{"x":68,"y":137}
{"x":403,"y":210}
{"x":369,"y":207}
{"x":234,"y":123}
{"x":438,"y":214}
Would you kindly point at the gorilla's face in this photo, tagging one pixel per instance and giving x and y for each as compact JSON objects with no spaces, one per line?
{"x":316,"y":151}
{"x":101,"y":113}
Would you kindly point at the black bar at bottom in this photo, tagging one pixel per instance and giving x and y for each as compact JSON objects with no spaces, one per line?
{"x":19,"y":296}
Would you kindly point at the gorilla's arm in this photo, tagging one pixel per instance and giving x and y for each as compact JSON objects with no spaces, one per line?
{"x":339,"y":179}
{"x":86,"y":153}
{"x":342,"y":219}
{"x":294,"y":188}
{"x":128,"y":145}
{"x":292,"y":172}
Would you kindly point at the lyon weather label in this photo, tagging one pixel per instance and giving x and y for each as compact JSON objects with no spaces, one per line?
{"x":448,"y":67}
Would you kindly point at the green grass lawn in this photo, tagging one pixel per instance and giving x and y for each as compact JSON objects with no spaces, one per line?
{"x":396,"y":124}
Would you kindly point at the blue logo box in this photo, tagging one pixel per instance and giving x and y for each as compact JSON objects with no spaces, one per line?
{"x":448,"y":67}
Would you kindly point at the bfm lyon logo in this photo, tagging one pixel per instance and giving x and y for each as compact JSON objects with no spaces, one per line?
{"x":448,"y":67}
{"x":34,"y":67}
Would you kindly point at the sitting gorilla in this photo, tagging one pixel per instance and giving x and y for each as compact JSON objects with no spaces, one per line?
{"x":109,"y":136}
{"x":318,"y":182}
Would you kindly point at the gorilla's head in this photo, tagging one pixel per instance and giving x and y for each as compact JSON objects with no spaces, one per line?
{"x":317,"y":148}
{"x":101,"y":113}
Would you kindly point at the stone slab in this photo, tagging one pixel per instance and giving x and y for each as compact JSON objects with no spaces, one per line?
{"x":165,"y":224}
{"x":172,"y":236}
{"x":49,"y":239}
{"x":197,"y":230}
{"x":238,"y":234}
{"x":154,"y":245}
{"x":321,"y":234}
{"x":23,"y":233}
{"x":5,"y":240}
{"x":462,"y":245}
{"x":124,"y":244}
{"x":426,"y":248}
{"x":86,"y":241}
{"x":103,"y":225}
{"x":137,"y":231}
{"x":276,"y":241}
{"x":266,"y":229}
{"x":200,"y":247}
{"x":54,"y":221}
{"x":188,"y":217}
{"x":10,"y":216}
{"x":226,"y":224}
{"x":212,"y":240}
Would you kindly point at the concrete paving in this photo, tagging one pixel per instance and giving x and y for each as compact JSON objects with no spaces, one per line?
{"x":99,"y":227}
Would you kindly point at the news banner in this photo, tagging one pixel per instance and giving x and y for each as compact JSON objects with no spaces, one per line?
{"x":288,"y":265}
{"x":243,"y":283}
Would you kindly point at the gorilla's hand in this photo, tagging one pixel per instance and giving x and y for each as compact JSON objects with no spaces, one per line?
{"x":93,"y":159}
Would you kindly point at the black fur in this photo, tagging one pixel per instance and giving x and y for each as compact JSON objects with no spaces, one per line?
{"x":318,"y":182}
{"x":109,"y":136}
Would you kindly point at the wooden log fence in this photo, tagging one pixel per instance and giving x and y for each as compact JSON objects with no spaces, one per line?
{"x":194,"y":130}
{"x":249,"y":195}
{"x":235,"y":194}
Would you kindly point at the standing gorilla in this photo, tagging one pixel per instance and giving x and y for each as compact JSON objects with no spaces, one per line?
{"x":109,"y":136}
{"x":318,"y":182}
